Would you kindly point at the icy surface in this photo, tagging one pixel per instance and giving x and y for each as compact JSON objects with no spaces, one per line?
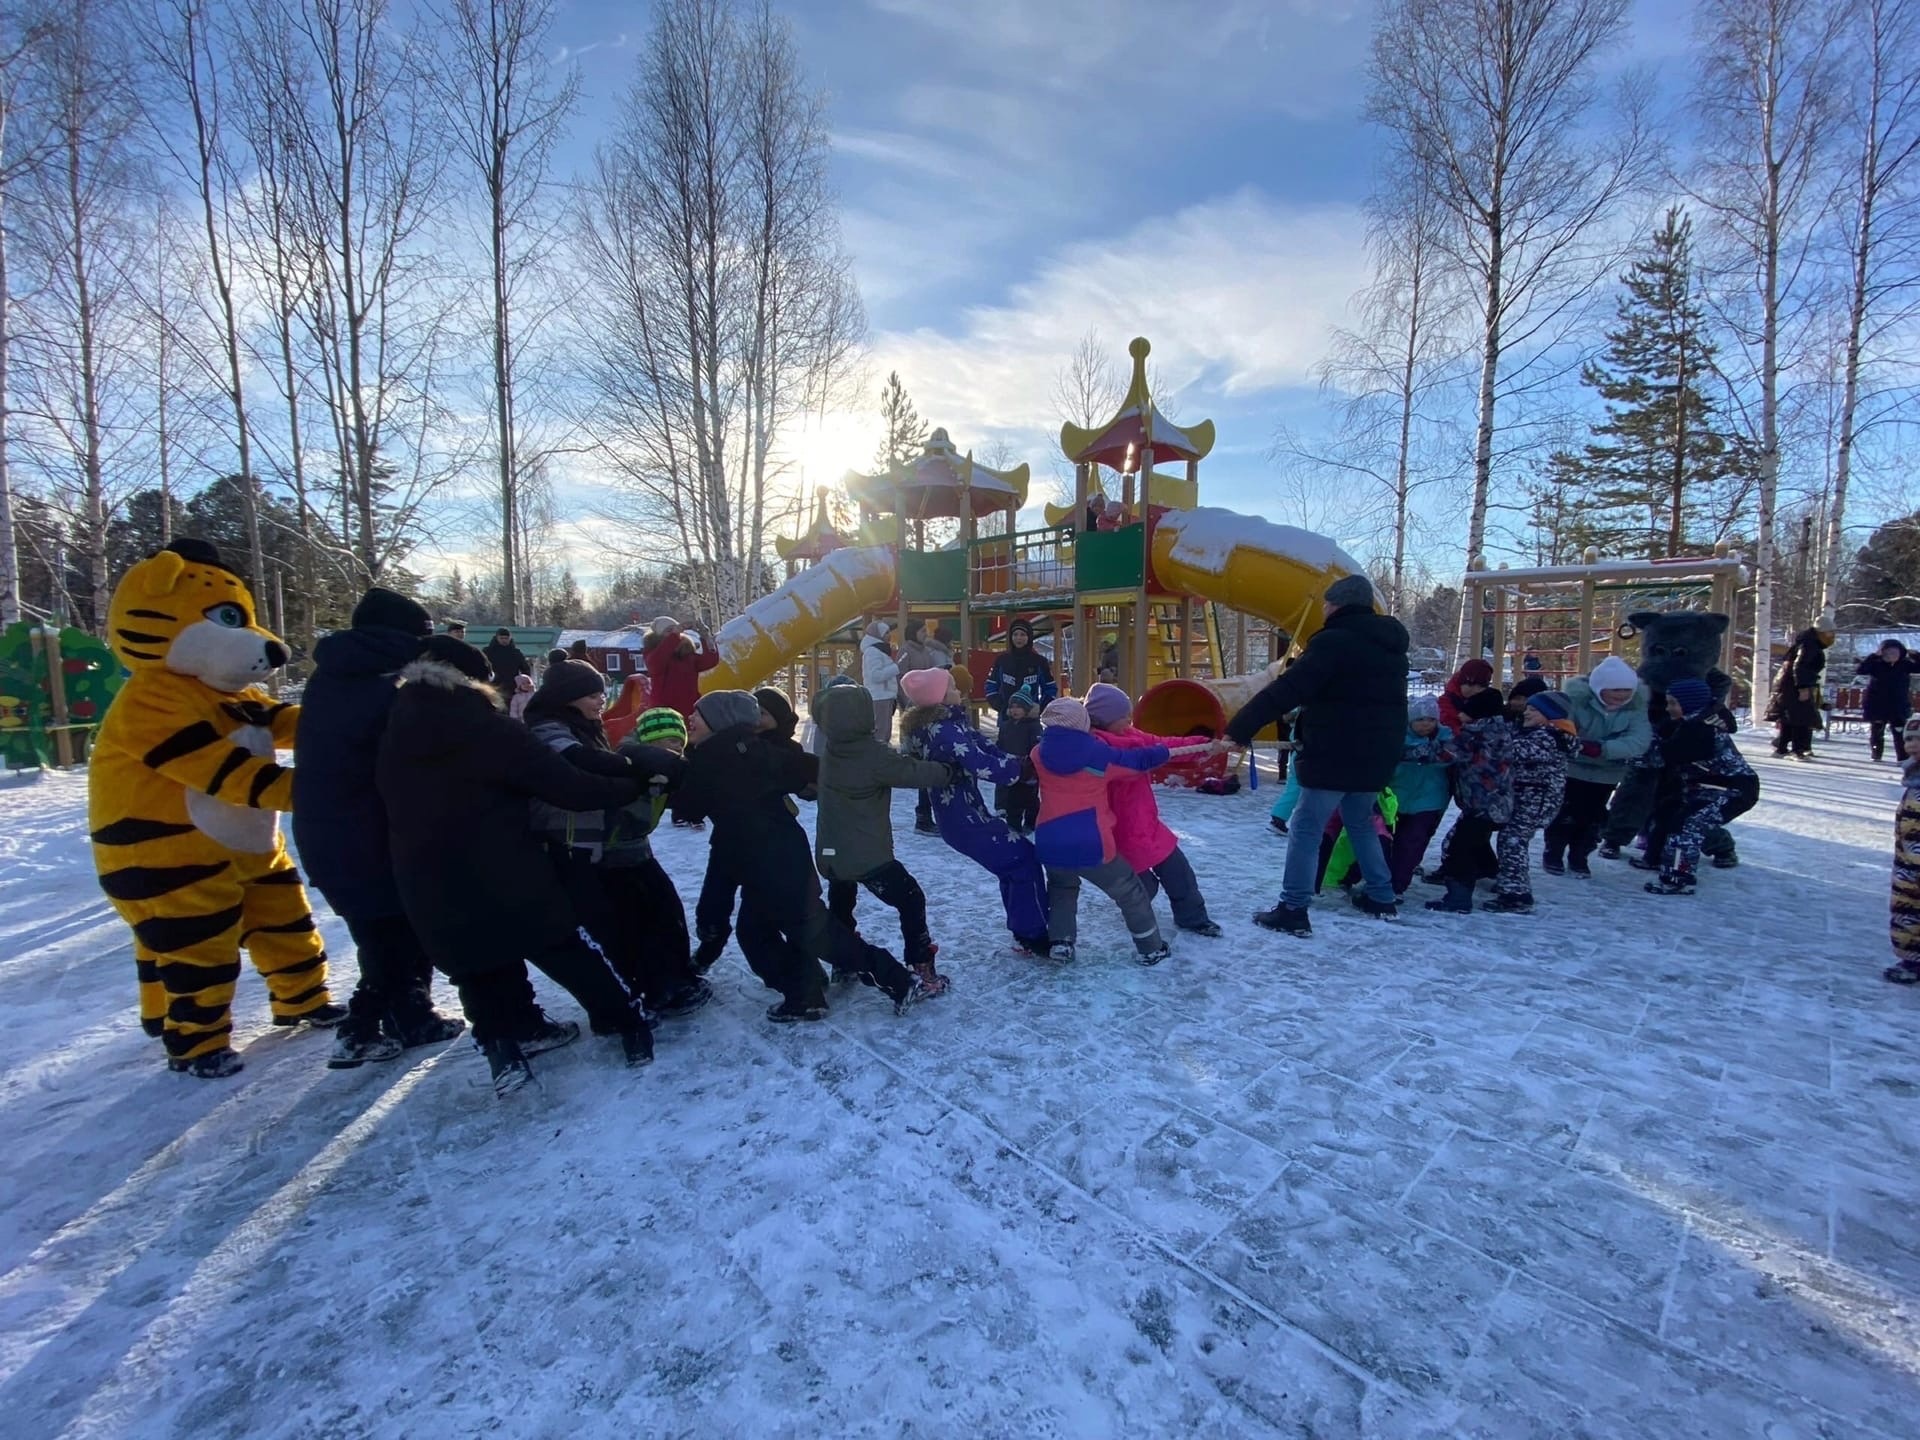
{"x":1631,"y":1167}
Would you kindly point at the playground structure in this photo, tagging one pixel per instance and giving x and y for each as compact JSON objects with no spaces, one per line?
{"x":55,"y":686}
{"x":1568,"y":617}
{"x":1149,"y":579}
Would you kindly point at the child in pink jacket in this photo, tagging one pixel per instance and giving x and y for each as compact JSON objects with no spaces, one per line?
{"x":1142,"y":837}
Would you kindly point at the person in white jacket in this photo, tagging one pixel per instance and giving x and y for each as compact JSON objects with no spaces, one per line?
{"x":880,"y":675}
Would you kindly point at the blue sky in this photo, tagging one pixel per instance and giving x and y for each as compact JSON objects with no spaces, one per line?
{"x":1013,"y":172}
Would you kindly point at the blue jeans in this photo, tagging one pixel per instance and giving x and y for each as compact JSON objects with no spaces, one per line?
{"x":1310,"y":818}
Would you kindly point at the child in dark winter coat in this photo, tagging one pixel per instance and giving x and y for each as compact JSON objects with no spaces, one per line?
{"x":1538,"y":755}
{"x":604,"y":859}
{"x":1075,"y":836}
{"x":853,"y":836}
{"x":937,"y":728}
{"x":1423,"y":784}
{"x":713,"y":911}
{"x":740,"y":780}
{"x":1904,"y":913}
{"x":1019,"y":800}
{"x":1483,"y":789}
{"x":1705,"y":783}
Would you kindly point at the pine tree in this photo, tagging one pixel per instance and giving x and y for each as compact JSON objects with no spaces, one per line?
{"x":906,"y":431}
{"x":1885,"y":584}
{"x":1648,"y":474}
{"x":566,"y":605}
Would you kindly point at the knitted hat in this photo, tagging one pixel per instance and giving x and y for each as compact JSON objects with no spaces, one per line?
{"x":571,"y":680}
{"x":924,"y":687}
{"x":1474,"y":672}
{"x":778,"y":708}
{"x":1422,"y":707}
{"x":1526,"y":688}
{"x":392,"y":611}
{"x":725,"y":709}
{"x":962,"y":680}
{"x":1024,"y":696}
{"x":878,"y":629}
{"x":834,"y":680}
{"x":1350,"y":590}
{"x":1482,"y":705}
{"x":1613,"y":673}
{"x":556,"y":657}
{"x":1693,"y":695}
{"x":660,"y":723}
{"x":1107,"y":705}
{"x":1069,"y":714}
{"x":663,"y":624}
{"x":1552,"y":704}
{"x":457,"y":653}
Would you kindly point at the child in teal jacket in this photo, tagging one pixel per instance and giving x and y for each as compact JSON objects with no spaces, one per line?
{"x":1424,"y":783}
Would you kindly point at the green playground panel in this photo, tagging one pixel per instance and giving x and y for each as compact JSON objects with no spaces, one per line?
{"x":1111,"y":559}
{"x":933,"y":575}
{"x":91,"y":678}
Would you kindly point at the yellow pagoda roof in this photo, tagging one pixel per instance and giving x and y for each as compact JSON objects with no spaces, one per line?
{"x":816,"y":542}
{"x":1123,"y":442}
{"x":940,"y":481}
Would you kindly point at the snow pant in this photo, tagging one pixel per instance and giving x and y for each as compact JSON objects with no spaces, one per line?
{"x":1310,"y":817}
{"x":498,"y":1002}
{"x":396,"y":973}
{"x":1412,"y":833}
{"x":1905,"y":911}
{"x":785,"y":930}
{"x":1876,"y":738}
{"x":1679,"y":836}
{"x":1583,"y":812}
{"x":1175,"y":875}
{"x":1009,"y":858}
{"x":1467,"y":854}
{"x":1019,"y":802}
{"x":1534,"y":807}
{"x":1797,"y":738}
{"x":1289,"y":797}
{"x":1117,"y":879}
{"x":923,"y":808}
{"x":190,"y":923}
{"x":632,"y":913}
{"x":1631,"y":815}
{"x":893,"y":886}
{"x":713,"y":911}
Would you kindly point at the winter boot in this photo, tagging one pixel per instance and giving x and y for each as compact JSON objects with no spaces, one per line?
{"x":930,"y":981}
{"x":638,"y":1046}
{"x":1062,"y":951}
{"x":684,"y":999}
{"x":1034,"y":945}
{"x":1672,"y":882}
{"x":1726,"y":860}
{"x":321,"y":1017}
{"x":923,"y":825}
{"x":1154,"y":957}
{"x":708,"y":951}
{"x":1279,"y":825}
{"x":1457,"y":901}
{"x":1554,"y":862}
{"x":793,"y":1012}
{"x":424,"y":1027}
{"x":357,"y":1041}
{"x":1514,"y":904}
{"x":1609,"y":850}
{"x":1905,"y":972}
{"x":1369,"y":906}
{"x":1285,"y":918}
{"x":1640,"y":861}
{"x":548,"y":1035}
{"x":214,"y":1065}
{"x":507,"y":1064}
{"x":1207,"y":928}
{"x":1577,"y":866}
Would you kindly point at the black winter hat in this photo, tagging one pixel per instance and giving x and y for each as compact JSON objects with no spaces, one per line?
{"x":391,"y":610}
{"x":1483,"y":705}
{"x":459,"y":654}
{"x":779,"y":709}
{"x":556,"y":657}
{"x":1020,"y":627}
{"x":1526,"y":688}
{"x":571,"y":680}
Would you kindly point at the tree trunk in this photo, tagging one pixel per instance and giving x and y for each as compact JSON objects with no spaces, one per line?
{"x":94,"y":497}
{"x":1856,"y":325}
{"x":9,"y":551}
{"x":503,"y":408}
{"x":1483,"y":441}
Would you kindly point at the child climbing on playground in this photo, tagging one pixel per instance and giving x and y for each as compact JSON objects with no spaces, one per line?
{"x":1422,"y":784}
{"x":937,"y":729}
{"x":1019,"y":732}
{"x":1075,"y":836}
{"x":1705,"y":782}
{"x":1904,"y":907}
{"x":853,"y":835}
{"x":1141,"y":837}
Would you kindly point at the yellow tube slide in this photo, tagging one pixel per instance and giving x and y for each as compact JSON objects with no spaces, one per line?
{"x":1273,"y":572}
{"x":800,"y":614}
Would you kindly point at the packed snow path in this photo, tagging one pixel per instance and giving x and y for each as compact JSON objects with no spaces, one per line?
{"x":1631,"y":1166}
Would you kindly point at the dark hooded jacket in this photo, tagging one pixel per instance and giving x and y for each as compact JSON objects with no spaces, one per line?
{"x":1016,"y":666}
{"x":1350,"y":686}
{"x":1889,"y":697}
{"x":858,"y":775}
{"x":339,"y":822}
{"x":456,"y":776}
{"x":506,"y":661}
{"x":1805,"y":663}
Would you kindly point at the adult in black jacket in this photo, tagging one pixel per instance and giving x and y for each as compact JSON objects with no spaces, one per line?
{"x":340,"y":826}
{"x":1350,"y":686}
{"x":1020,"y":664}
{"x":1889,"y":673}
{"x":506,"y":660}
{"x":1796,"y":693}
{"x":456,"y":776}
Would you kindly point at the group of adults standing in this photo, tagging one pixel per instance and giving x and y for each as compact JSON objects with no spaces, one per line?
{"x":1796,"y":706}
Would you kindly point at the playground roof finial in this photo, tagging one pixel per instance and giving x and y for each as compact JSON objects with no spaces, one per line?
{"x":938,"y":481}
{"x":1139,"y":435}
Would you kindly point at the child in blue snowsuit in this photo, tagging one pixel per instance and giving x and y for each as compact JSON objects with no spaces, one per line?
{"x":937,"y":729}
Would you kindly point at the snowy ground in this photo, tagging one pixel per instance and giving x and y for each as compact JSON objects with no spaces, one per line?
{"x":1633,"y":1167}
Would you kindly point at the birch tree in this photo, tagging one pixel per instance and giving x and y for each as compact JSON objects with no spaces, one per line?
{"x":1490,"y":107}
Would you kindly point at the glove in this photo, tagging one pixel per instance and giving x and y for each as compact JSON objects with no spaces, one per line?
{"x":1591,"y":749}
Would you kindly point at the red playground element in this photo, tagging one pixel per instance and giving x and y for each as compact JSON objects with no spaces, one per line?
{"x":1176,"y":708}
{"x":621,"y":716}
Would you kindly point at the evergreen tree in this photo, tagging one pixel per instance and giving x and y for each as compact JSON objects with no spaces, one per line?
{"x":567,"y":606}
{"x":1885,"y":585}
{"x":1648,"y":474}
{"x":906,"y":433}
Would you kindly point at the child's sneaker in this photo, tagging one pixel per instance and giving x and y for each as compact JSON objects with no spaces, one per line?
{"x":1206,"y":927}
{"x":1905,"y":972}
{"x":1154,"y":957}
{"x":930,"y":981}
{"x":1062,"y":951}
{"x":1609,"y":850}
{"x":1671,"y":882}
{"x":1553,"y":863}
{"x":1520,"y":904}
{"x":1277,"y":823}
{"x":793,"y":1012}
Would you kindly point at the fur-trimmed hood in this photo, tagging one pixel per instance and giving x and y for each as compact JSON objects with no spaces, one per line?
{"x":439,"y":675}
{"x":437,"y":709}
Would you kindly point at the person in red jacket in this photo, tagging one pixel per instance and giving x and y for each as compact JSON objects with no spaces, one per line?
{"x":674,"y":666}
{"x":1469,"y":680}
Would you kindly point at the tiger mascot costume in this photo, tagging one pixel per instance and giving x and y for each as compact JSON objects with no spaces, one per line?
{"x":183,"y":792}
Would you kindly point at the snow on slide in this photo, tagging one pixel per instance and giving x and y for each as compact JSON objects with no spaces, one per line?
{"x":1273,"y":572}
{"x":801,"y":613}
